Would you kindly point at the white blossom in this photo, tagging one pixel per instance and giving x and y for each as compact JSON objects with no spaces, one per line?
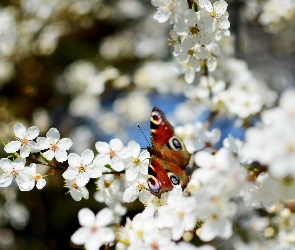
{"x":94,"y":231}
{"x":81,"y":168}
{"x":24,"y":140}
{"x":75,"y":191}
{"x":112,"y":154}
{"x":56,"y":147}
{"x":14,"y":170}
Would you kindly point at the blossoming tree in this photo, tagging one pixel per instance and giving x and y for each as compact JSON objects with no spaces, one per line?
{"x":237,"y":190}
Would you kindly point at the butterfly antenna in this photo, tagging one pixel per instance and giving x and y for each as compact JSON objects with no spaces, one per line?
{"x":143,"y":135}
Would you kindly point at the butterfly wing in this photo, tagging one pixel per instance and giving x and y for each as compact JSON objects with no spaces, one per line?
{"x":169,"y":156}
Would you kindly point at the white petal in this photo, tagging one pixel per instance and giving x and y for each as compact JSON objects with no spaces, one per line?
{"x":117,"y":164}
{"x":19,"y":130}
{"x":61,"y":155}
{"x":70,"y":173}
{"x":162,"y":14}
{"x":25,"y":184}
{"x":105,"y":235}
{"x":116,"y":144}
{"x":53,"y":133}
{"x":130,"y":194}
{"x":102,"y":159}
{"x":87,"y":157}
{"x":223,"y":23}
{"x":123,"y":153}
{"x":94,"y":171}
{"x":34,"y":148}
{"x":86,"y":217}
{"x":92,"y":242}
{"x":102,"y":147}
{"x":220,"y":7}
{"x":43,"y":143}
{"x":82,"y":179}
{"x":134,"y":148}
{"x":49,"y":154}
{"x":81,"y":235}
{"x":19,"y":163}
{"x":24,"y":151}
{"x":206,"y":5}
{"x":41,"y":183}
{"x":189,"y":75}
{"x":132,"y":172}
{"x":104,"y":217}
{"x":32,"y":133}
{"x":12,"y":146}
{"x":74,"y":160}
{"x":65,"y":143}
{"x":76,"y":195}
{"x":204,"y":38}
{"x":5,"y":164}
{"x":5,"y":180}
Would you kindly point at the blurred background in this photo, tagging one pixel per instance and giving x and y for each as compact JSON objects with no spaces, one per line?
{"x":94,"y":69}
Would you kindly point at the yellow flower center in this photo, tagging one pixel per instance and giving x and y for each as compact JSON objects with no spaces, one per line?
{"x":136,"y":161}
{"x":82,"y":168}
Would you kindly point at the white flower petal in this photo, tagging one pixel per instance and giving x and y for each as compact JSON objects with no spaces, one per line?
{"x":220,"y":7}
{"x":117,"y":164}
{"x":116,"y":144}
{"x":53,"y":133}
{"x":61,"y":155}
{"x":76,"y":195}
{"x":49,"y":154}
{"x":41,"y":183}
{"x":74,"y":160}
{"x":102,"y":159}
{"x":70,"y":173}
{"x":34,"y":148}
{"x":123,"y":153}
{"x":81,"y":235}
{"x":206,"y":4}
{"x":12,"y":146}
{"x":43,"y":143}
{"x":65,"y":143}
{"x":131,"y":194}
{"x":5,"y":164}
{"x":223,"y":23}
{"x":24,"y":151}
{"x":189,"y":75}
{"x":134,"y":148}
{"x":105,"y":235}
{"x":5,"y":180}
{"x":32,"y":133}
{"x":162,"y":14}
{"x":86,"y":217}
{"x":82,"y":179}
{"x":132,"y":172}
{"x":94,"y":171}
{"x":19,"y":130}
{"x":104,"y":217}
{"x":87,"y":157}
{"x":19,"y":163}
{"x":102,"y":147}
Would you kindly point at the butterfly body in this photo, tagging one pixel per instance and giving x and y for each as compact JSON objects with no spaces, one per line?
{"x":169,"y":157}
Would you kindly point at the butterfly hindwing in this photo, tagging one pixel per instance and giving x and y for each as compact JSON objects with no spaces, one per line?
{"x":169,"y":156}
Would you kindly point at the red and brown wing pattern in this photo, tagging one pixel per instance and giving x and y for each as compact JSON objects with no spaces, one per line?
{"x":169,"y":156}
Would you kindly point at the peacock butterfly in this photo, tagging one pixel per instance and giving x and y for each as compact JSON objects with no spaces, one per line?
{"x":169,"y":157}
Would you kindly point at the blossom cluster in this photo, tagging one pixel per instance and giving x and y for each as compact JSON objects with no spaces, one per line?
{"x":195,"y":33}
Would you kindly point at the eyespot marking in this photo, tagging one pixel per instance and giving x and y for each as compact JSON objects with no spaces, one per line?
{"x":156,"y":118}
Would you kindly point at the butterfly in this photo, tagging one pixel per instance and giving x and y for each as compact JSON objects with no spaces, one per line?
{"x":168,"y":156}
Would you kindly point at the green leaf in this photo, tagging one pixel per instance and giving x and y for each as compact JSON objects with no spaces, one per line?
{"x":195,"y":7}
